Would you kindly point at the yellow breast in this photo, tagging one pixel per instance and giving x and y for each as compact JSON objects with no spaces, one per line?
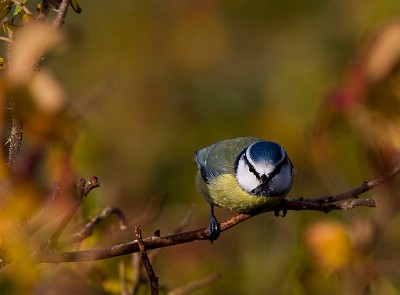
{"x":225,"y":192}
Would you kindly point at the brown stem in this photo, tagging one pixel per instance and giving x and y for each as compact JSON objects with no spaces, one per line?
{"x":15,"y":140}
{"x":324,"y":204}
{"x":146,"y":262}
{"x":155,"y":242}
{"x":62,"y":12}
{"x":362,"y":188}
{"x":82,"y":190}
{"x":89,"y":227}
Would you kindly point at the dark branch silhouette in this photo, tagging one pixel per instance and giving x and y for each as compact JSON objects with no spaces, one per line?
{"x":342,"y":201}
{"x":146,"y":262}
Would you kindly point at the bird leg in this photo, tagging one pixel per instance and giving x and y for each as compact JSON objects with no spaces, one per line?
{"x":213,"y":226}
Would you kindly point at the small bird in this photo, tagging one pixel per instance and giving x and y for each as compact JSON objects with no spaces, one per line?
{"x":244,"y":174}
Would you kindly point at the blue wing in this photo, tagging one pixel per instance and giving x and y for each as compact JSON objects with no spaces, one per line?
{"x":201,"y":160}
{"x":220,"y":157}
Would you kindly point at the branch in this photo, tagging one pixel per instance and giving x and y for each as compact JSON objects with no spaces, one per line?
{"x":62,"y":12}
{"x":146,"y":262}
{"x":324,"y":204}
{"x":122,"y":275}
{"x":181,"y":238}
{"x":362,"y":188}
{"x":135,"y":262}
{"x":15,"y":139}
{"x":82,"y":190}
{"x":89,"y":227}
{"x":308,"y":204}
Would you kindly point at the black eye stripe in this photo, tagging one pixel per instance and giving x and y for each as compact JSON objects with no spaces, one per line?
{"x":251,"y":167}
{"x":264,"y":178}
{"x":279,"y":167}
{"x":264,"y":189}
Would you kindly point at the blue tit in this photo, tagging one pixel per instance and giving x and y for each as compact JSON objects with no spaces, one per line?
{"x":244,"y":174}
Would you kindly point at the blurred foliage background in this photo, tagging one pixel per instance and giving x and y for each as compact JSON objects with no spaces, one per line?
{"x":154,"y":81}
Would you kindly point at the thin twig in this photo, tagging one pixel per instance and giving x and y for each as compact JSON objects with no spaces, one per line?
{"x":324,"y":204}
{"x":181,"y":238}
{"x":15,"y":140}
{"x":62,"y":12}
{"x":362,"y":188}
{"x":82,"y":190}
{"x":88,"y":186}
{"x":89,"y":227}
{"x":122,"y":275}
{"x":146,"y":262}
{"x":307,"y":204}
{"x":135,"y":261}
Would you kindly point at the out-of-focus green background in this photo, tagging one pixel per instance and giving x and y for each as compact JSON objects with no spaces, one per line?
{"x":180,"y":75}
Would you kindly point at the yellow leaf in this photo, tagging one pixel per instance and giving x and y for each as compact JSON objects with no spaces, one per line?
{"x":328,"y":243}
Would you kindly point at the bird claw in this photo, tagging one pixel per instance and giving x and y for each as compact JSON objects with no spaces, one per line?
{"x":282,"y":206}
{"x":213,"y":227}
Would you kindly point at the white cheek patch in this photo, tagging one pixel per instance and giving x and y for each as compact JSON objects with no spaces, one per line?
{"x":246,"y":179}
{"x":263,"y":167}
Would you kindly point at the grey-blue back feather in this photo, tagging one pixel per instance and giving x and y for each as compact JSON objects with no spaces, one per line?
{"x":220,"y":157}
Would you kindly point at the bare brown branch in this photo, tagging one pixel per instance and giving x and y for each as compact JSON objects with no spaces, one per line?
{"x":83,"y":188}
{"x":362,"y":188}
{"x":89,"y":227}
{"x":180,"y":238}
{"x":136,"y":266}
{"x":146,"y":262}
{"x":308,"y":204}
{"x":122,"y":275}
{"x":62,"y":12}
{"x":323,"y":204}
{"x":15,"y":140}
